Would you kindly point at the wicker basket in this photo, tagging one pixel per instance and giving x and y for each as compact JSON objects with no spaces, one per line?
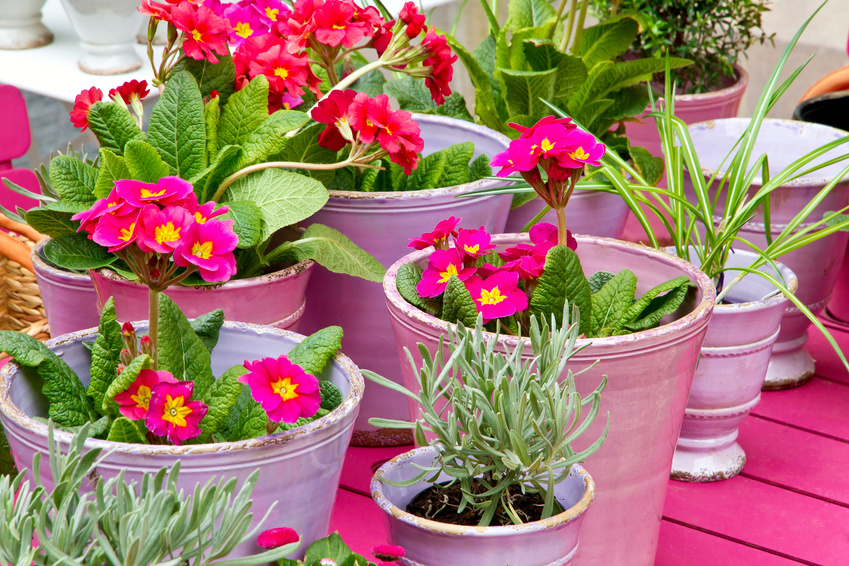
{"x":21,"y":308}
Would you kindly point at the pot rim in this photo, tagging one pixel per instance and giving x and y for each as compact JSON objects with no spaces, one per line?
{"x":41,"y":265}
{"x":463,"y":127}
{"x":740,"y":84}
{"x":801,"y":182}
{"x":662,"y":333}
{"x":337,"y":415}
{"x":563,"y":518}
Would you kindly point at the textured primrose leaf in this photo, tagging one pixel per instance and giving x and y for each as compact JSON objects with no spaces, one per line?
{"x":270,"y":137}
{"x":369,"y":179}
{"x":611,"y":304}
{"x":253,"y":422}
{"x":219,"y":76}
{"x":144,"y":162}
{"x":406,"y":279}
{"x":480,"y":168}
{"x":105,"y":354}
{"x":7,"y":463}
{"x":331,"y":397}
{"x":211,"y":117}
{"x":181,"y":352}
{"x":457,"y":160}
{"x":228,"y":426}
{"x":112,"y":168}
{"x":123,"y":382}
{"x":313,"y":353}
{"x":113,"y":126}
{"x":177,"y":129}
{"x":55,"y":218}
{"x":598,"y":279}
{"x":643,"y":302}
{"x":73,"y":179}
{"x":223,"y":165}
{"x":304,"y":148}
{"x":458,"y":305}
{"x":207,"y":327}
{"x":244,"y":112}
{"x":524,"y":89}
{"x":69,"y":404}
{"x":247,"y":222}
{"x":606,"y":41}
{"x":562,"y":280}
{"x":75,"y":251}
{"x":335,"y":252}
{"x":659,"y":305}
{"x":649,"y":166}
{"x":428,"y":173}
{"x":220,"y":397}
{"x":127,"y":431}
{"x":529,"y":13}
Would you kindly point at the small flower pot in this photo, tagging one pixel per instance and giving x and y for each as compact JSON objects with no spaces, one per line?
{"x":299,"y":470}
{"x":817,"y":264}
{"x":276,"y":299}
{"x":649,"y":375}
{"x":730,"y":375}
{"x":69,"y":298}
{"x":594,"y":213}
{"x":107,"y":31}
{"x":382,"y":224}
{"x":21,"y":26}
{"x":549,"y":542}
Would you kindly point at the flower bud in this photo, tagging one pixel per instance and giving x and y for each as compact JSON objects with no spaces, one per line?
{"x":127,"y":329}
{"x":388,"y":552}
{"x":128,"y":333}
{"x":126,"y":357}
{"x":146,"y":346}
{"x":275,"y":538}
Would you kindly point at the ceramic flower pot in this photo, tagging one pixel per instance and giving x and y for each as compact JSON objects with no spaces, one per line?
{"x":549,"y":542}
{"x":107,"y":32}
{"x":731,"y":372}
{"x":69,"y":298}
{"x":299,"y":469}
{"x":382,"y":224}
{"x":21,"y":26}
{"x":649,"y":375}
{"x":593,"y":213}
{"x":816,"y":265}
{"x":276,"y":299}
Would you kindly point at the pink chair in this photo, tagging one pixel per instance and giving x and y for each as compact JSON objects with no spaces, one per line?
{"x":15,"y":140}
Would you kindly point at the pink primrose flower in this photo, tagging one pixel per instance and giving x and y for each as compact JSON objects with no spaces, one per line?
{"x":82,"y":106}
{"x":135,"y":400}
{"x":210,"y":247}
{"x":388,"y":552}
{"x":116,"y":232}
{"x":583,"y":149}
{"x":528,"y":132}
{"x":245,"y":21}
{"x":275,"y":538}
{"x":156,"y":10}
{"x":173,"y":414}
{"x":340,"y":22}
{"x":439,"y":237}
{"x":442,"y":264}
{"x":543,"y":237}
{"x":440,"y":62}
{"x":285,"y":71}
{"x":206,"y":33}
{"x":163,"y":192}
{"x":498,"y":295}
{"x":474,"y":242}
{"x":131,"y":90}
{"x":162,"y":231}
{"x":333,"y":111}
{"x":271,"y":11}
{"x":283,"y":389}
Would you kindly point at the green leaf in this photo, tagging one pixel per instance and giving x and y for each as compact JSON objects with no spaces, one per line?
{"x":331,"y":547}
{"x":207,"y":327}
{"x":126,"y":431}
{"x":331,"y":396}
{"x":524,"y":89}
{"x":244,"y":112}
{"x":335,"y":252}
{"x":482,"y":81}
{"x":650,"y":167}
{"x":113,"y":126}
{"x":69,"y":404}
{"x":457,"y":158}
{"x":314,"y":351}
{"x":406,"y":279}
{"x":144,"y":163}
{"x":283,"y":198}
{"x":457,"y":304}
{"x":270,"y":137}
{"x":211,"y":117}
{"x":247,"y":222}
{"x":7,"y":462}
{"x":105,"y":354}
{"x":606,"y":77}
{"x":428,"y":173}
{"x":370,"y":177}
{"x":253,"y":423}
{"x":123,"y":381}
{"x":304,"y":148}
{"x":543,"y":55}
{"x":181,"y":352}
{"x":73,"y":179}
{"x":480,"y":168}
{"x":219,"y":76}
{"x":598,"y":279}
{"x":227,"y":428}
{"x":563,"y":280}
{"x":610,"y":304}
{"x":112,"y":168}
{"x":529,"y":14}
{"x":412,"y":95}
{"x":52,"y":222}
{"x":177,"y":129}
{"x":75,"y":251}
{"x":651,"y":307}
{"x":370,"y":83}
{"x":606,"y":41}
{"x":220,"y":397}
{"x":224,"y":165}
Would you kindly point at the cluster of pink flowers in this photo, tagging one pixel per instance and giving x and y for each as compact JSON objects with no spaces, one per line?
{"x":497,"y":291}
{"x":148,"y":224}
{"x":131,"y":92}
{"x":281,"y":536}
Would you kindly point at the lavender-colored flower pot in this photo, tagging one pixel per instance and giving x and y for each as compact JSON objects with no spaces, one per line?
{"x":731,"y":372}
{"x":299,"y":469}
{"x":817,"y":264}
{"x":382,"y":224}
{"x":549,"y":542}
{"x":649,"y":375}
{"x":69,"y":298}
{"x":594,"y":213}
{"x":276,"y":299}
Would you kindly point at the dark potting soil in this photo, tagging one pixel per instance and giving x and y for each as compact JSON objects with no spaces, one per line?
{"x":439,"y":503}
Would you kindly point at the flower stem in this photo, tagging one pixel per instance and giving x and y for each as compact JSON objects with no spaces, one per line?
{"x":570,"y":23}
{"x":579,"y":29}
{"x":153,"y":329}
{"x":276,"y":165}
{"x":353,"y":77}
{"x":562,"y":237}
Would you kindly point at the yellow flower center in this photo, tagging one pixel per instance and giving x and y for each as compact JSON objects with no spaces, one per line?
{"x":127,"y":233}
{"x":166,"y":233}
{"x":338,"y":27}
{"x":243,"y":29}
{"x":449,"y":271}
{"x":176,"y":410}
{"x":492,"y":297}
{"x":272,"y":13}
{"x":200,"y":218}
{"x":472,"y":249}
{"x":281,"y":72}
{"x":202,"y":250}
{"x":147,"y":193}
{"x":285,"y":388}
{"x":546,"y":145}
{"x":142,"y":397}
{"x":111,"y":204}
{"x":197,"y":36}
{"x":579,"y":154}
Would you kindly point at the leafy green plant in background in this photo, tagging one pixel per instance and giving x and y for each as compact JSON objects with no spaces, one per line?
{"x":713,"y":34}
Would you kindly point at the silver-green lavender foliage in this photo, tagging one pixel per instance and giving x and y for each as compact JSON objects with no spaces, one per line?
{"x":509,"y":423}
{"x":120,"y":524}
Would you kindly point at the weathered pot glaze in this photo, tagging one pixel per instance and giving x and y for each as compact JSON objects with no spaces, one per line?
{"x":69,"y":298}
{"x":300,"y":469}
{"x":649,"y":375}
{"x":383,"y":224}
{"x":21,"y":26}
{"x":817,"y":264}
{"x":549,"y":542}
{"x":594,"y":213}
{"x":276,"y":299}
{"x":107,"y":31}
{"x":730,"y":374}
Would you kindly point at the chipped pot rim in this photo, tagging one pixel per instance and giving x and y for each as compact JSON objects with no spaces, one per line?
{"x":567,"y":516}
{"x":341,"y":413}
{"x":286,"y":273}
{"x":690,"y":322}
{"x":727,"y":92}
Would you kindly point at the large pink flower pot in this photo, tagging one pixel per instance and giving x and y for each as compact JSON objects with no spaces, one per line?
{"x":549,"y":542}
{"x":594,"y":213}
{"x":382,"y":224}
{"x":298,"y":469}
{"x":276,"y":299}
{"x":69,"y":298}
{"x":838,"y":306}
{"x":730,"y":375}
{"x":817,"y":264}
{"x":649,"y":375}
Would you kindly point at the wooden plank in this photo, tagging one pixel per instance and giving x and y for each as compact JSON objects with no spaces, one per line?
{"x":828,"y":362}
{"x":821,"y":406}
{"x":361,"y":463}
{"x":796,"y":459}
{"x":359,"y":521}
{"x":681,"y":545}
{"x":799,"y":527}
